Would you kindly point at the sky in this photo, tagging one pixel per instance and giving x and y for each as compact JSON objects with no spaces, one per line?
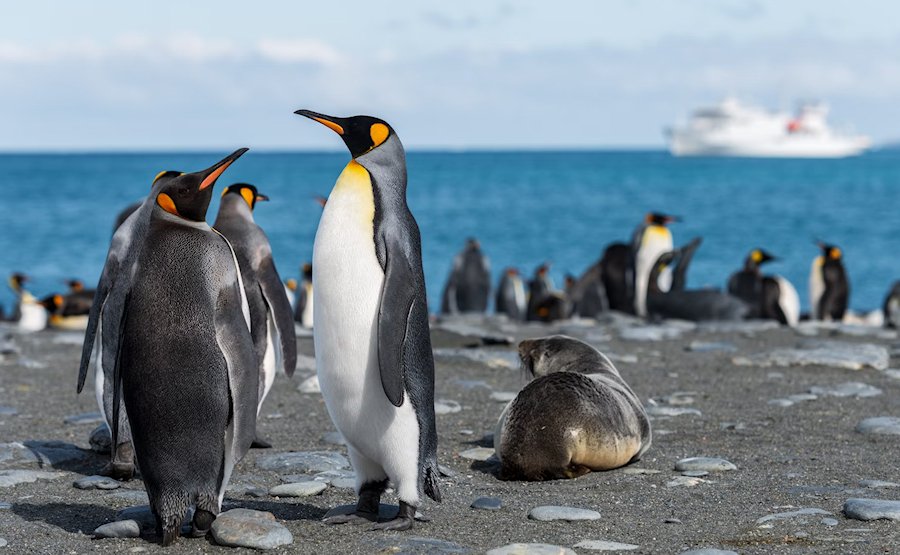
{"x":166,"y":75}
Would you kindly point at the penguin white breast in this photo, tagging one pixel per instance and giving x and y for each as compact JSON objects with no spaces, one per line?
{"x":32,"y":316}
{"x":789,"y":301}
{"x":347,"y":281}
{"x":816,"y":286}
{"x":656,"y":241}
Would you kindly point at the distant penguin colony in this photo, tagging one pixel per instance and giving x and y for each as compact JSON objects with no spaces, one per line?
{"x":371,"y":333}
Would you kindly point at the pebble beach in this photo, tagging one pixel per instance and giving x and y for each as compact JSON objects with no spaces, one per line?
{"x":766,"y":439}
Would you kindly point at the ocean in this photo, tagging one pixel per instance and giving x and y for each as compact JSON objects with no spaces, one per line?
{"x":525,"y":208}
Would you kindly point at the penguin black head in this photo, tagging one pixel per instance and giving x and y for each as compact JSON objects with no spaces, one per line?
{"x":187,"y":195}
{"x":657,"y":218}
{"x":759,"y":257}
{"x":247,"y":192}
{"x":75,"y":285}
{"x":830,"y":252}
{"x":306,"y":270}
{"x":52,"y":303}
{"x":16,"y":281}
{"x":360,"y":133}
{"x":291,"y":284}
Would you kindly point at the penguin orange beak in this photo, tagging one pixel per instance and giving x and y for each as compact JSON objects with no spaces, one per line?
{"x":330,"y":122}
{"x":212,"y":174}
{"x":260,"y":197}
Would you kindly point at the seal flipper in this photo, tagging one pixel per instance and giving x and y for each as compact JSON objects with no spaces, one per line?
{"x":397,"y":297}
{"x":280,"y":313}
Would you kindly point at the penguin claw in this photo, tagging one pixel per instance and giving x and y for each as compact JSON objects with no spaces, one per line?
{"x":399,"y":524}
{"x":118,"y":471}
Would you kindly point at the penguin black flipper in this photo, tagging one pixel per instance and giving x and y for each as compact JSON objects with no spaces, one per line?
{"x":398,"y":295}
{"x":280,"y":312}
{"x":117,"y":376}
{"x":110,"y":271}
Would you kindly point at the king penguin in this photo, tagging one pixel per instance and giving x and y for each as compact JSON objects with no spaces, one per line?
{"x":371,"y":334}
{"x":29,"y":314}
{"x":303,"y":310}
{"x":650,"y":240}
{"x":891,"y":307}
{"x":829,"y":290}
{"x":185,"y":366}
{"x":271,"y":317}
{"x":511,"y":298}
{"x":747,"y":283}
{"x":468,"y":286}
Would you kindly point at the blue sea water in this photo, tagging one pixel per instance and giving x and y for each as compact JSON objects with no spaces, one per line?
{"x":524,"y":207}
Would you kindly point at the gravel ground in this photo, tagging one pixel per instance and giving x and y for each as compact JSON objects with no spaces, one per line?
{"x":807,"y":455}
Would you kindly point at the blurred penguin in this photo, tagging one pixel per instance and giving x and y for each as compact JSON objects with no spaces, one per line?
{"x":29,"y":314}
{"x":617,"y":273}
{"x":829,"y":290}
{"x":650,"y":240}
{"x":303,"y":311}
{"x":891,"y":307}
{"x":588,"y":293}
{"x":747,"y":284}
{"x":469,"y":283}
{"x":290,"y":291}
{"x":545,"y":303}
{"x":511,"y":298}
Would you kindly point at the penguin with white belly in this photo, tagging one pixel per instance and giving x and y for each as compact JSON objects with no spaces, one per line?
{"x":271,"y":317}
{"x":650,"y":240}
{"x":371,"y":334}
{"x":829,"y":290}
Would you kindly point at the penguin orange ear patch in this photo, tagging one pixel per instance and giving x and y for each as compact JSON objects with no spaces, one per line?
{"x":166,"y":203}
{"x":248,"y":197}
{"x":379,"y":133}
{"x":757,"y":256}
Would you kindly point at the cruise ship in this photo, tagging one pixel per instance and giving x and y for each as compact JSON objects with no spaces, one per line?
{"x":735,"y":129}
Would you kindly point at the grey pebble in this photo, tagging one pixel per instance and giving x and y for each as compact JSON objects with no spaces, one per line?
{"x":119,"y":529}
{"x":878,"y":484}
{"x":689,"y":481}
{"x":4,"y":505}
{"x":711,"y":347}
{"x":97,"y":482}
{"x":671,"y":411}
{"x":530,"y":549}
{"x":3,"y":542}
{"x":249,"y":528}
{"x":132,"y":496}
{"x":872,"y":509}
{"x":487,"y":503}
{"x":557,"y":512}
{"x":672,"y":521}
{"x":838,"y":354}
{"x":477,"y":453}
{"x":799,"y":513}
{"x":100,"y":440}
{"x":303,"y":461}
{"x":695,"y":473}
{"x":446,"y":471}
{"x":446,"y":406}
{"x":417,"y":545}
{"x":310,"y":385}
{"x":9,"y":478}
{"x":503,"y":396}
{"x":710,"y":464}
{"x":42,"y":453}
{"x":653,"y":333}
{"x":86,"y":418}
{"x":708,"y":551}
{"x":299,"y":489}
{"x":254,"y":491}
{"x":829,"y":521}
{"x":636,"y":470}
{"x":848,"y":389}
{"x":604,"y":545}
{"x":888,"y":425}
{"x":334,"y":438}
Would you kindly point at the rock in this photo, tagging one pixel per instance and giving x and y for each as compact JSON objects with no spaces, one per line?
{"x":385,"y":512}
{"x":603,"y":545}
{"x":746,"y":327}
{"x":299,"y":489}
{"x":477,"y":453}
{"x":710,"y":464}
{"x":255,"y":491}
{"x":8,"y":411}
{"x":838,"y":354}
{"x":679,"y":398}
{"x":305,"y":363}
{"x":848,"y":389}
{"x":872,"y":509}
{"x":336,"y":478}
{"x":829,"y":521}
{"x":97,"y":482}
{"x":3,"y":542}
{"x":87,"y":418}
{"x":615,"y":357}
{"x":503,"y":396}
{"x":636,"y":470}
{"x":5,"y":506}
{"x":887,"y":425}
{"x":653,"y":332}
{"x":249,"y":528}
{"x":687,"y":481}
{"x":487,"y":503}
{"x":446,"y":471}
{"x":446,"y":406}
{"x":781,"y":402}
{"x":303,"y":461}
{"x":878,"y":484}
{"x":695,"y":473}
{"x":530,"y":549}
{"x":799,"y":513}
{"x":708,"y":551}
{"x":119,"y":529}
{"x":52,"y":453}
{"x":310,"y":385}
{"x":417,"y":546}
{"x":101,"y":440}
{"x":9,"y":478}
{"x":660,"y":411}
{"x":334,"y":438}
{"x":672,"y":521}
{"x":711,"y":347}
{"x":556,"y":512}
{"x":732,"y":426}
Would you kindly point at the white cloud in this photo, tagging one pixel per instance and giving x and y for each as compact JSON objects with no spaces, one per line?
{"x":298,"y":51}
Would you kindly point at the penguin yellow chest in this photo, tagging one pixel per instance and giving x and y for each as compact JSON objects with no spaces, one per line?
{"x":347,"y":282}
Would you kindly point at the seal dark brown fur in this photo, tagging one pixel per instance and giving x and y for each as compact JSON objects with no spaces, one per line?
{"x":577,"y":415}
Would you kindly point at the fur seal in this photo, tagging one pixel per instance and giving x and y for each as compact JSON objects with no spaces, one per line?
{"x":577,"y":415}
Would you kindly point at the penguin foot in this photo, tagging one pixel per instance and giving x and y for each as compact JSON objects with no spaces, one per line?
{"x":169,"y":535}
{"x":403,"y":521}
{"x":260,"y":443}
{"x":118,"y":471}
{"x":202,"y":523}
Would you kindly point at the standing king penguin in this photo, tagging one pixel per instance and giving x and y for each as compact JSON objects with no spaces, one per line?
{"x":511,"y":298}
{"x":829,"y":290}
{"x":650,"y":240}
{"x":373,"y":348}
{"x":185,"y":365}
{"x":468,"y":286}
{"x":271,"y":317}
{"x":303,"y":310}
